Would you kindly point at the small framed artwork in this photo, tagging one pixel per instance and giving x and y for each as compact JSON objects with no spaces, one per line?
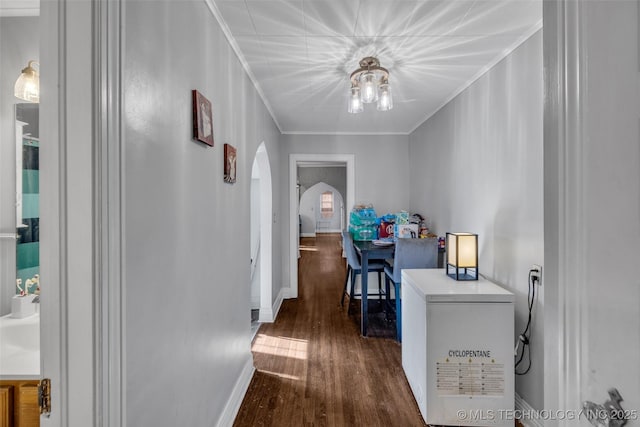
{"x":229,"y":163}
{"x":202,"y":119}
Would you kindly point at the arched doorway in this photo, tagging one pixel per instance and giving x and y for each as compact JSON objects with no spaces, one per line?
{"x":261,"y":236}
{"x":316,"y":218}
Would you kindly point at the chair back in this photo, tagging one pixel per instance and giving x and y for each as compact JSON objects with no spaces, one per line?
{"x":414,"y":253}
{"x":350,"y":250}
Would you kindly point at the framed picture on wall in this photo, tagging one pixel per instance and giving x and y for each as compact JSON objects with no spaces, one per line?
{"x":202,"y":119}
{"x":229,"y":163}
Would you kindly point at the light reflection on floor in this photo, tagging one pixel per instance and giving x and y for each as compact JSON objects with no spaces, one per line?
{"x":279,"y":375}
{"x":281,"y":346}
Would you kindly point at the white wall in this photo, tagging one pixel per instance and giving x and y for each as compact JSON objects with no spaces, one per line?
{"x":187,"y":243}
{"x":19,"y":43}
{"x":476,"y":166}
{"x":381,"y":172}
{"x":381,"y":167}
{"x":335,"y":176}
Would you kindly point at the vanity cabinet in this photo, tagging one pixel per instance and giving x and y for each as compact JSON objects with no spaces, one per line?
{"x":19,"y":403}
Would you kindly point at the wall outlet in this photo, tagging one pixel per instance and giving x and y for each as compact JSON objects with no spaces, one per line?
{"x":536,"y":272}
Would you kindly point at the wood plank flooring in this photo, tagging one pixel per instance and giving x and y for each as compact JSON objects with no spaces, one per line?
{"x":314,"y":368}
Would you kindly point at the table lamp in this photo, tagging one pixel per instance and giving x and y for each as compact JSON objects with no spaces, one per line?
{"x":462,"y":256}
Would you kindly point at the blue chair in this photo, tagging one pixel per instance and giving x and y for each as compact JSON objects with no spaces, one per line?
{"x":409,"y":253}
{"x":354,"y":268}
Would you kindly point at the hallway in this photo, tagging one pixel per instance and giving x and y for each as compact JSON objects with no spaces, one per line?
{"x":312,"y":366}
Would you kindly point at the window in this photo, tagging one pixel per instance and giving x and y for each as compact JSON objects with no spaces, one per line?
{"x":326,"y":204}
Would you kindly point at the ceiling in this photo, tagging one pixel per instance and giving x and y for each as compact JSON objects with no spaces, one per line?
{"x":300,"y":53}
{"x":19,"y":7}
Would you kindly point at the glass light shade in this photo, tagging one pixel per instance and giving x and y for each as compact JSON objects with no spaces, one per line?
{"x":369,"y":87}
{"x":355,"y":104}
{"x":27,"y":86}
{"x":385,"y":101}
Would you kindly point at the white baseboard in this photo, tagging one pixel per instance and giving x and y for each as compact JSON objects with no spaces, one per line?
{"x":277,"y":304}
{"x":522,"y":406}
{"x":269,"y":314}
{"x":237,"y":395}
{"x":320,"y":232}
{"x":265,"y":315}
{"x":287,"y":293}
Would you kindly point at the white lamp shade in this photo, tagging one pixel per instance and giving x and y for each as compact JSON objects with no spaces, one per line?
{"x":462,"y":250}
{"x":451,"y":249}
{"x":27,"y":86}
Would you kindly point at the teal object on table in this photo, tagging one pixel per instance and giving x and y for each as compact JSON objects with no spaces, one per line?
{"x":363,"y":232}
{"x":363,"y":224}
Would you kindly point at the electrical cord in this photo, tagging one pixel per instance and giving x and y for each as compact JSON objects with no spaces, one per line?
{"x":524,"y":337}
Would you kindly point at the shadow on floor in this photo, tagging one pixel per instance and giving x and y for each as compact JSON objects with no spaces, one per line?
{"x":381,"y":324}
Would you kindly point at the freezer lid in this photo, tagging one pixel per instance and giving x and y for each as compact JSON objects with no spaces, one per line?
{"x":435,"y":286}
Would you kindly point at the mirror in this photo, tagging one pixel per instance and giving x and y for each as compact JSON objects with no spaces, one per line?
{"x":27,"y":198}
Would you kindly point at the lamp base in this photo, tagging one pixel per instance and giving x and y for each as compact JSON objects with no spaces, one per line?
{"x":461,"y":273}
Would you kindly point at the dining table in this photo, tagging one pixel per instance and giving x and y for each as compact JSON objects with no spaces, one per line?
{"x":368,"y":250}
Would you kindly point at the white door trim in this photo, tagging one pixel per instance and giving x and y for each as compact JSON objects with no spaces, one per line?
{"x":69,"y":264}
{"x":564,"y":194}
{"x":53,"y":338}
{"x":349,"y":159}
{"x":266,"y":313}
{"x":109,"y":219}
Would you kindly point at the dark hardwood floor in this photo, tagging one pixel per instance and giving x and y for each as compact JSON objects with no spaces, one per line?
{"x":312,"y":366}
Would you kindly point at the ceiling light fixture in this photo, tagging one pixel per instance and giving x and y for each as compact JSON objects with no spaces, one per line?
{"x":28,"y":84}
{"x":370,"y":83}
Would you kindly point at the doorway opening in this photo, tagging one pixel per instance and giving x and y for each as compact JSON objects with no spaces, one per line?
{"x":20,"y":321}
{"x":261,"y":236}
{"x":296,"y":161}
{"x":322,"y":208}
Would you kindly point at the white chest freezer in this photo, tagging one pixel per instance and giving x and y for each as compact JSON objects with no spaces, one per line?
{"x":457,"y":348}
